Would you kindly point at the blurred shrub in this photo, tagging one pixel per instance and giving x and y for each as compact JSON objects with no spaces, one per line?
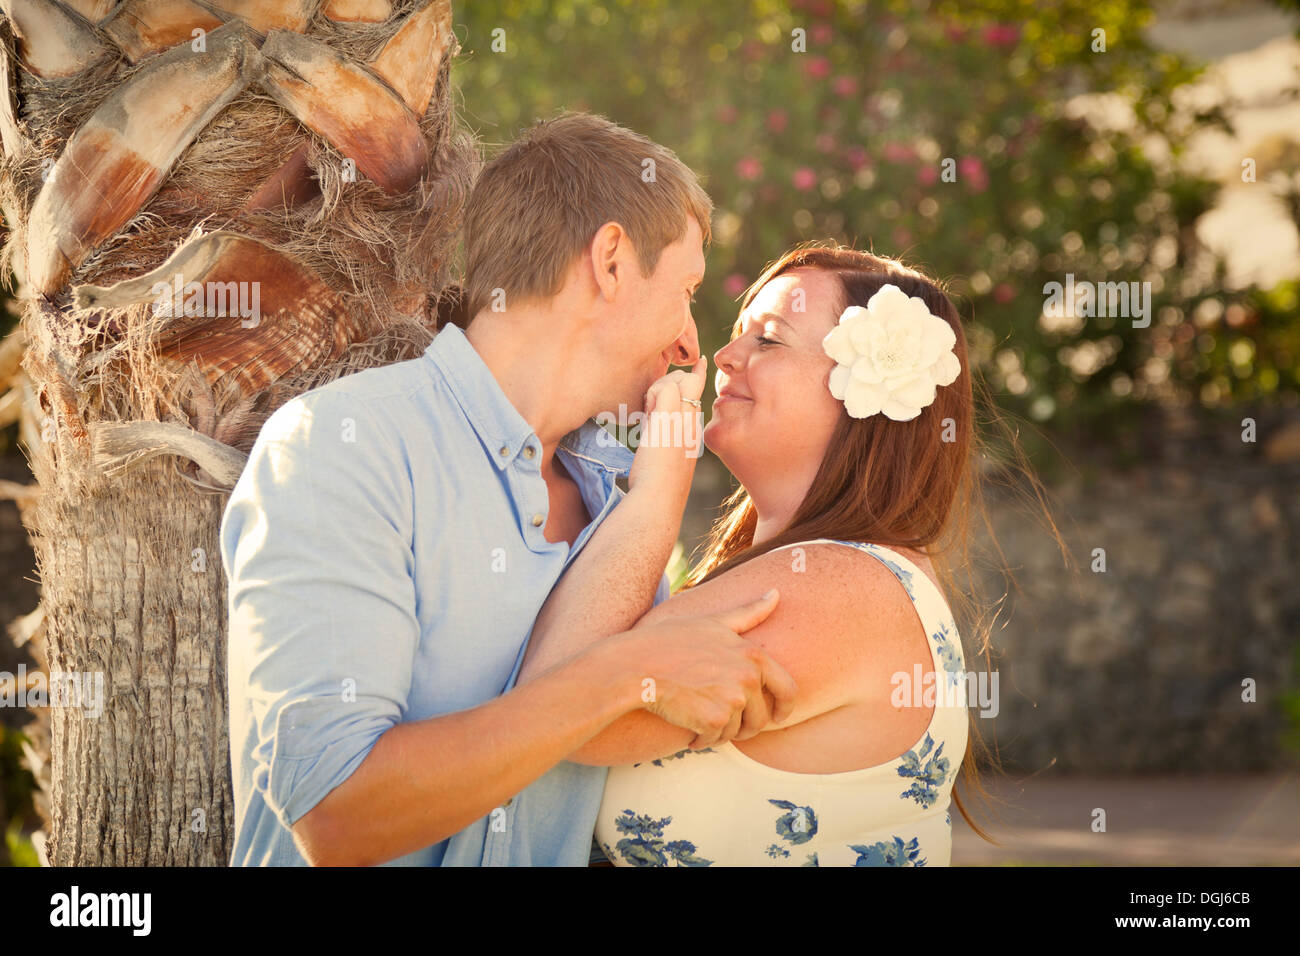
{"x":848,"y":139}
{"x":16,"y":786}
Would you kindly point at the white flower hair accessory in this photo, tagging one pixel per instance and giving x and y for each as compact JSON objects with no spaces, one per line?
{"x":890,"y":356}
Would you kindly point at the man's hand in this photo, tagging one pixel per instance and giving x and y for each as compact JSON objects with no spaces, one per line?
{"x":700,"y":674}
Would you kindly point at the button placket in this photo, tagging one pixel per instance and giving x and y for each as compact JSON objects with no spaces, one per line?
{"x":531,"y":497}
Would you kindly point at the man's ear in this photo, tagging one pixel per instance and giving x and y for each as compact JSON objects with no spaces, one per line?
{"x":609,"y":256}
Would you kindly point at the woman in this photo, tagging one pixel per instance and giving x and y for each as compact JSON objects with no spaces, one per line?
{"x":845,"y":411}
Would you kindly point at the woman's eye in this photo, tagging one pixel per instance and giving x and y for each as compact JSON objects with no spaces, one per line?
{"x":764,"y":340}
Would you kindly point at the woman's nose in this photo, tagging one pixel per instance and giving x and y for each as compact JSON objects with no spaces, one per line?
{"x":725,"y":358}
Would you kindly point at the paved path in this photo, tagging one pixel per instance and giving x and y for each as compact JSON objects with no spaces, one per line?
{"x":1194,"y":820}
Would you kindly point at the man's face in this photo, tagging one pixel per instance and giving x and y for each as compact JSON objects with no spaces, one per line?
{"x":661,"y":330}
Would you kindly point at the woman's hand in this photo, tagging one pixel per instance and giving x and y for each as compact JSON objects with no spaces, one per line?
{"x":670,"y":441}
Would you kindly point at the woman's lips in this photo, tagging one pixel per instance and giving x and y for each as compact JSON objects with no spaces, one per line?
{"x":726,"y":396}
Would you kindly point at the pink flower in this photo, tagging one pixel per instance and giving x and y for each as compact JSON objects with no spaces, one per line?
{"x":927,"y":175}
{"x":844,"y":86}
{"x":1003,"y":293}
{"x":820,"y":33}
{"x":804,"y":178}
{"x":1002,"y":34}
{"x":747,"y":167}
{"x":825,"y":142}
{"x":727,"y":114}
{"x":818,"y":67}
{"x":898,"y":153}
{"x":777,"y":120}
{"x":734,"y":284}
{"x":971,"y":171}
{"x":856,"y":157}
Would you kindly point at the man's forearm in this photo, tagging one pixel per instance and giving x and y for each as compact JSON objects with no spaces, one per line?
{"x":424,"y":781}
{"x":612,"y":583}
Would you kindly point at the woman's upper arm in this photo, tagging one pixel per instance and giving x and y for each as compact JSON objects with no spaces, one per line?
{"x":837,"y":611}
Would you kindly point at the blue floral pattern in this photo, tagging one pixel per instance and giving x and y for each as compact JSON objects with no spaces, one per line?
{"x":903,"y":575}
{"x":927,"y":777}
{"x":897,"y":853}
{"x":948,"y":648}
{"x":644,"y":844}
{"x":797,"y":826}
{"x":677,"y":756}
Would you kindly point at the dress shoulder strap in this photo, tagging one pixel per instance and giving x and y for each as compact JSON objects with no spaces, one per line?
{"x":909,"y":575}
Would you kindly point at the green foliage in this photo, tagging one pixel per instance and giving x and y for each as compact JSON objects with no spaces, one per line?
{"x":678,"y":568}
{"x":848,"y":139}
{"x":1291,"y":706}
{"x":16,"y":786}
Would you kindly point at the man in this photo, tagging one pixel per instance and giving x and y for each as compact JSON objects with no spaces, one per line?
{"x":396,"y":532}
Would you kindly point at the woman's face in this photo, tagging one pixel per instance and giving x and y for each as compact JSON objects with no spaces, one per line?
{"x":774,"y":407}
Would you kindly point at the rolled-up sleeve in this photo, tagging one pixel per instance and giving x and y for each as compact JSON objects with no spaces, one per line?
{"x":316,"y":544}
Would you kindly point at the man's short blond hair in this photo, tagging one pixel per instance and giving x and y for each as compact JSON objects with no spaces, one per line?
{"x":539,"y":203}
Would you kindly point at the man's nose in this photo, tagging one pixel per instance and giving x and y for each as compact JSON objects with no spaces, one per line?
{"x":686,"y":350}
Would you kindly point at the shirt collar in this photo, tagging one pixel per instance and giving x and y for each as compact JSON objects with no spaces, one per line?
{"x":498,"y":424}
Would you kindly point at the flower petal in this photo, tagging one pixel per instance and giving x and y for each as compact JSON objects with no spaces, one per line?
{"x":887,"y":298}
{"x":918,"y":392}
{"x":862,"y":400}
{"x":946,"y":370}
{"x":839,"y":346}
{"x":865,"y":371}
{"x":898,"y":411}
{"x":840,"y":376}
{"x":864,"y":332}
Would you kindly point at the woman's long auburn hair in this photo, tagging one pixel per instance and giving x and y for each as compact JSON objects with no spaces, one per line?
{"x":910,"y":484}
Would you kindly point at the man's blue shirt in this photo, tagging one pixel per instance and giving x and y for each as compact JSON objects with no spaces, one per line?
{"x":386,"y":559}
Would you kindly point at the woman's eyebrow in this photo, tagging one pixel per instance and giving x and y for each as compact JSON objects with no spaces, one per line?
{"x":765,"y":317}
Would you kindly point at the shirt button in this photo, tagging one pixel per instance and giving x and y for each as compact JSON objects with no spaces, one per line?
{"x":505,"y":450}
{"x":538,"y":520}
{"x":509,"y":801}
{"x":529,"y":451}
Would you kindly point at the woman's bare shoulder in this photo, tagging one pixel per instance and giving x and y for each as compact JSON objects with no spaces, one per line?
{"x":839,"y":609}
{"x":822,"y":578}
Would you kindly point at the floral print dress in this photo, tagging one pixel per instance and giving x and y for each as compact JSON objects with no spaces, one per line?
{"x":718,"y":807}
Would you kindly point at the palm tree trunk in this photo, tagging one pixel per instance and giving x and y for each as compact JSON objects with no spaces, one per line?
{"x":304,"y":150}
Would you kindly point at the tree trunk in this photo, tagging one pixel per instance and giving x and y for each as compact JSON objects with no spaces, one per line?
{"x":133,"y":588}
{"x":304,"y":150}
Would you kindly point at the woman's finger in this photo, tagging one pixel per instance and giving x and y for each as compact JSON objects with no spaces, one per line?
{"x":696,"y":378}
